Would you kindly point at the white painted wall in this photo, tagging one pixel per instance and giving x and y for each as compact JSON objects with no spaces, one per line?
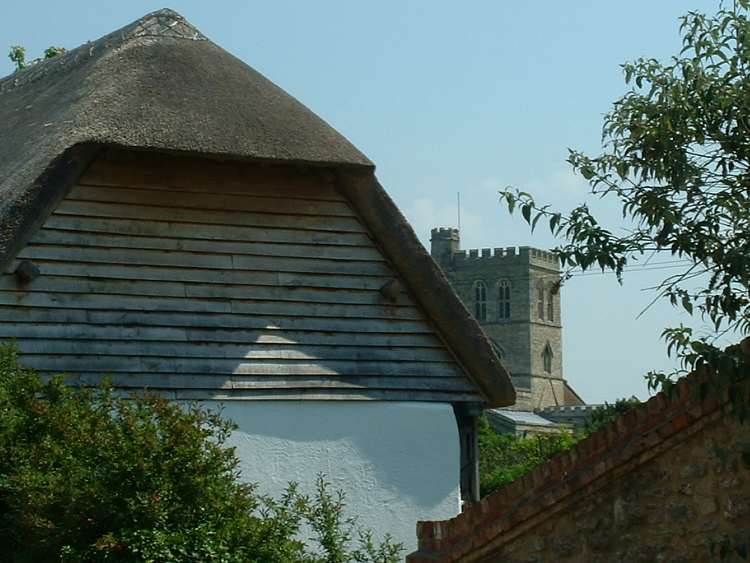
{"x":397,"y":462}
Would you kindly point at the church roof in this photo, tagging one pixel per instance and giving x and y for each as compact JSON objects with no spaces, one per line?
{"x":159,"y":85}
{"x":570,"y":397}
{"x":523,"y":418}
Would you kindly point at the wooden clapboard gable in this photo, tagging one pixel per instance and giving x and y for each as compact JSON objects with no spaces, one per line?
{"x":221,"y":280}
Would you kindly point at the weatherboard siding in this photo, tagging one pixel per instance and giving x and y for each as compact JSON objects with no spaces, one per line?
{"x":229,"y":282}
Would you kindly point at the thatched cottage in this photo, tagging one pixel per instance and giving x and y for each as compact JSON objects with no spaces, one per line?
{"x":170,"y":219}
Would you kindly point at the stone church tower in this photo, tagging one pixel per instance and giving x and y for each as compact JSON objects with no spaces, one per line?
{"x":515,"y":295}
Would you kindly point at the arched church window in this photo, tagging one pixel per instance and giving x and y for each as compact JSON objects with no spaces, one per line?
{"x":547,"y":358}
{"x":550,"y":307}
{"x":503,"y":300}
{"x":540,"y":299}
{"x":480,"y":300}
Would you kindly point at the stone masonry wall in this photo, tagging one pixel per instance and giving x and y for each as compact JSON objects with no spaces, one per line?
{"x":513,"y":335}
{"x":670,"y":509}
{"x":523,"y":337}
{"x":663,"y":483}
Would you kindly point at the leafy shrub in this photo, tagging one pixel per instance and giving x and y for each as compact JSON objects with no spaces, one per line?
{"x":503,"y":458}
{"x":606,"y":413}
{"x":87,"y":475}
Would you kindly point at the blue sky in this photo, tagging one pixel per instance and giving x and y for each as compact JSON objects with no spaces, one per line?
{"x":450,"y":97}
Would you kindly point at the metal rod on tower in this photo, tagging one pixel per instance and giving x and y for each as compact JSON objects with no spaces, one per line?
{"x":458,"y":199}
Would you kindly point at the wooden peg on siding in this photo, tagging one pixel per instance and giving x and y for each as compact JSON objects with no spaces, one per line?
{"x":390,"y":290}
{"x":27,"y":271}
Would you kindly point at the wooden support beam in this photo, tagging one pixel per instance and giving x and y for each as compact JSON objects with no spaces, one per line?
{"x":467,"y":415}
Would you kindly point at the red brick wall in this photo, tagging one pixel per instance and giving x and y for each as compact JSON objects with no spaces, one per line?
{"x":661,"y":483}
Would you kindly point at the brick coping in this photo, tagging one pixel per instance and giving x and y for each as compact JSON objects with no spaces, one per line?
{"x":651,"y":427}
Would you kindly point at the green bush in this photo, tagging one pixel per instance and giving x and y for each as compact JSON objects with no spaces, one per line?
{"x":87,"y":475}
{"x":606,"y":413}
{"x":503,"y":458}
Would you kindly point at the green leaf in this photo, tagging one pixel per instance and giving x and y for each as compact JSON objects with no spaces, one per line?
{"x":554,"y":222}
{"x":535,"y":221}
{"x":526,"y":212}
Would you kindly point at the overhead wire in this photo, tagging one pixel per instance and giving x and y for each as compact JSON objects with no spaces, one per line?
{"x":578,"y":272}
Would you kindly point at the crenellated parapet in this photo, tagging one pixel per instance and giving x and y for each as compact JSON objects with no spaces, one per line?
{"x":446,"y":241}
{"x":497,"y":256}
{"x":567,"y":409}
{"x":444,"y":233}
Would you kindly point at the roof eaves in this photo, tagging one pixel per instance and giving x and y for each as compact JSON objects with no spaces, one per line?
{"x":23,"y":216}
{"x":433,"y":291}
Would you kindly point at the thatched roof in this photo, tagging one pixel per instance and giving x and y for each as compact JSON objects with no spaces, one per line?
{"x":159,"y":85}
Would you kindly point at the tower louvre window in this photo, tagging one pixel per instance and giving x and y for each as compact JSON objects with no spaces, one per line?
{"x":480,"y":300}
{"x":540,"y":299}
{"x":550,"y":308}
{"x":503,"y":300}
{"x":547,"y":358}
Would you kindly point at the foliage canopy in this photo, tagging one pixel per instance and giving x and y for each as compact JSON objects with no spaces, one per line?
{"x":87,"y":475}
{"x":606,"y":413}
{"x":503,"y":458}
{"x":676,"y":156}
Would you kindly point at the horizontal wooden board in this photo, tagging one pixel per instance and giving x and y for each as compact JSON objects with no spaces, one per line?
{"x":175,"y":304}
{"x":66,"y":363}
{"x":194,"y":275}
{"x":320,"y":310}
{"x":211,"y":320}
{"x":297,"y":293}
{"x":104,"y":286}
{"x":109,"y":286}
{"x":202,"y":260}
{"x":250,"y":201}
{"x":323,"y":395}
{"x":30,"y":328}
{"x":134,"y":256}
{"x":225,"y":177}
{"x":221,"y":350}
{"x":197,"y":381}
{"x":196,"y":216}
{"x":293,"y":250}
{"x":351,"y":267}
{"x":163,"y":227}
